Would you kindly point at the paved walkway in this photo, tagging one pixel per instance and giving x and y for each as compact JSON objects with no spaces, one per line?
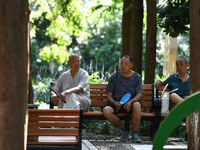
{"x":109,"y":142}
{"x":87,"y":145}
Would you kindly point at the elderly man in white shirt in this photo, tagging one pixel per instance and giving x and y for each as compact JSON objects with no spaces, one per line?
{"x":73,"y":87}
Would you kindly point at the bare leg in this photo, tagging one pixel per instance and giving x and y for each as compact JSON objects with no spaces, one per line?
{"x":175,"y":98}
{"x":136,"y":115}
{"x":110,"y":116}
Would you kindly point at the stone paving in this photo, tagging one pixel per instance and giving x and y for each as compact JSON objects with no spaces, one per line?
{"x":111,"y":142}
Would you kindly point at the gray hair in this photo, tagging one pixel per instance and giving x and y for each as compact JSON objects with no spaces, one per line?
{"x":183,"y":57}
{"x":73,"y":55}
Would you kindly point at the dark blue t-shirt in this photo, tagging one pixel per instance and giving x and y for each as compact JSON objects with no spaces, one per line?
{"x":120,"y":85}
{"x":175,"y":82}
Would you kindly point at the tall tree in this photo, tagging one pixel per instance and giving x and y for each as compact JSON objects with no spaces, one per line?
{"x":28,"y":48}
{"x":136,"y":34}
{"x":150,"y":42}
{"x":126,"y":28}
{"x":13,"y":74}
{"x":194,"y":125}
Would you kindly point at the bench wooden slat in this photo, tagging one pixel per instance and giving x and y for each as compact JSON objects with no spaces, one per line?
{"x":57,"y":112}
{"x":146,"y":104}
{"x":98,"y":86}
{"x":52,"y":124}
{"x":52,"y":132}
{"x":52,"y":140}
{"x":147,"y":86}
{"x":98,"y":97}
{"x":54,"y":118}
{"x":100,"y":114}
{"x":92,"y":92}
{"x":75,"y":142}
{"x":98,"y":103}
{"x":147,"y":93}
{"x":146,"y":98}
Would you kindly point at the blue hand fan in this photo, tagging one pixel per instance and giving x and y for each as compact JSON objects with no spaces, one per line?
{"x":125,"y":98}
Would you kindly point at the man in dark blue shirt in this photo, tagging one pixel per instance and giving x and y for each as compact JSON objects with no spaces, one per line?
{"x":179,"y":80}
{"x":122,"y":82}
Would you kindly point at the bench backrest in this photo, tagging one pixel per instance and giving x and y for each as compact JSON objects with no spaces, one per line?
{"x":62,"y":123}
{"x":98,"y":95}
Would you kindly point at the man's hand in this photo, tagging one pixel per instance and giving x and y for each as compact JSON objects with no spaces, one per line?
{"x":127,"y":106}
{"x":118,"y":105}
{"x":54,"y":99}
{"x":63,"y":95}
{"x":158,"y":84}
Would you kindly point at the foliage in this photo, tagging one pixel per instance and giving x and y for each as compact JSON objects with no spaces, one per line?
{"x":58,"y":14}
{"x":144,"y":128}
{"x":105,"y":41}
{"x":95,"y":78}
{"x":101,"y":127}
{"x":179,"y":131}
{"x":174,"y":17}
{"x":161,"y":78}
{"x":184,"y":45}
{"x":59,"y":28}
{"x":54,"y":52}
{"x":41,"y":90}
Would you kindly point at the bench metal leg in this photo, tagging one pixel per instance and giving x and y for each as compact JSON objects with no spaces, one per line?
{"x":126,"y":118}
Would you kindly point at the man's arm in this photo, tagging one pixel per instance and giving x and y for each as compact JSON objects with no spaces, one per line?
{"x":64,"y":94}
{"x":159,"y":83}
{"x":137,"y":98}
{"x":112,"y":101}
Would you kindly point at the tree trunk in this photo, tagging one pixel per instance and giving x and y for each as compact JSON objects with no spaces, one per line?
{"x":126,"y":28}
{"x":29,"y":88}
{"x":194,"y":125}
{"x":13,"y":75}
{"x":28,"y":48}
{"x":136,"y":35}
{"x":150,"y":42}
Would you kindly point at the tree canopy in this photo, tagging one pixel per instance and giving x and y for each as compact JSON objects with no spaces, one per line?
{"x":88,"y":28}
{"x":91,"y":29}
{"x":174,"y":17}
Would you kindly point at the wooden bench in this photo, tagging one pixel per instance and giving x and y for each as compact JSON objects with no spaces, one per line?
{"x":150,"y":106}
{"x":54,"y":129}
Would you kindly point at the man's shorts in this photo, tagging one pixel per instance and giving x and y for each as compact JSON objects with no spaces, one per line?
{"x":122,"y":110}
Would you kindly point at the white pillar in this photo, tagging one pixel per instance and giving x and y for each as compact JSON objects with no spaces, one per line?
{"x":170,"y":55}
